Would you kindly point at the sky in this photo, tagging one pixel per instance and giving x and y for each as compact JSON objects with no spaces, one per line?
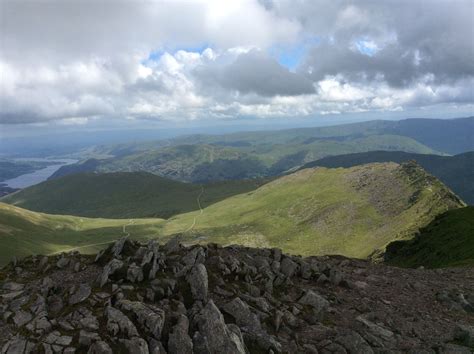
{"x":70,"y":64}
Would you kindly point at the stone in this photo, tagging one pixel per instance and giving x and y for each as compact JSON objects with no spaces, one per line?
{"x":118,"y":323}
{"x":219,"y":338}
{"x":100,"y":347}
{"x":135,"y":345}
{"x":134,"y":273}
{"x":316,"y":301}
{"x":173,"y":245}
{"x":108,"y":270}
{"x":80,"y":294}
{"x":117,"y":248}
{"x":87,"y":338}
{"x":21,"y":318}
{"x":288,"y":267}
{"x":242,"y":314}
{"x":150,"y":318}
{"x":179,"y":341}
{"x":198,"y":281}
{"x":465,"y":335}
{"x":62,"y":263}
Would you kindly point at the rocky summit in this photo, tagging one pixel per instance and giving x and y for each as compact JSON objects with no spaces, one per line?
{"x":137,"y":298}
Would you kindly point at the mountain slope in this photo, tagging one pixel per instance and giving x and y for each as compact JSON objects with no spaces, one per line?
{"x":123,"y":195}
{"x":354,"y":212}
{"x":447,"y":241}
{"x":457,"y":172}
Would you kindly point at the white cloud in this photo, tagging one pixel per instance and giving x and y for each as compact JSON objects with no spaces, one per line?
{"x":74,"y":61}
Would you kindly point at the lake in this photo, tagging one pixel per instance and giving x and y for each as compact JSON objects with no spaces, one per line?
{"x":37,"y":176}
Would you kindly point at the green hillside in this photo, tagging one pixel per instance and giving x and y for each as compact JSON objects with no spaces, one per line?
{"x":447,"y":241}
{"x":353,"y":212}
{"x":457,"y":172}
{"x":214,"y":162}
{"x":124,"y":195}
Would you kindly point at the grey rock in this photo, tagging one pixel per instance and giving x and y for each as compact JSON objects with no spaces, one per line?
{"x":316,"y":301}
{"x":179,"y":341}
{"x":376,"y":329}
{"x":17,"y":345}
{"x":118,"y":323}
{"x":173,"y":245}
{"x":117,"y":248}
{"x":135,"y":345}
{"x":198,"y":282}
{"x":108,"y":270}
{"x":87,"y":338}
{"x":81,"y":294}
{"x":465,"y":335}
{"x":100,"y":347}
{"x":150,"y":318}
{"x":288,"y":267}
{"x":242,"y":315}
{"x":21,"y":318}
{"x":12,"y":286}
{"x":354,"y":343}
{"x":134,"y":273}
{"x":219,"y":338}
{"x":62,"y":263}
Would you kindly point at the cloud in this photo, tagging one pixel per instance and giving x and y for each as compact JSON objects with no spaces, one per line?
{"x":75,"y":61}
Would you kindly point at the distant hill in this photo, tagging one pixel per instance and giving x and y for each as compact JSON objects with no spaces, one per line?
{"x":447,"y":241}
{"x":457,"y":172}
{"x":354,"y":212}
{"x":202,"y":158}
{"x":124,"y":195}
{"x":11,"y":168}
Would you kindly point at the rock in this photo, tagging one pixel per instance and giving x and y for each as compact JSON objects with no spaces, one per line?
{"x":173,"y":245}
{"x":179,"y":341}
{"x":198,"y":282}
{"x":219,"y":338}
{"x":317,"y":302}
{"x":62,"y":263}
{"x":80,"y":294}
{"x":118,"y":323}
{"x":135,"y":345}
{"x":12,"y":286}
{"x":150,"y":318}
{"x":87,"y":338}
{"x":376,"y":329}
{"x":354,"y":343}
{"x":55,"y":304}
{"x":200,"y":345}
{"x":100,"y":347}
{"x":117,"y":248}
{"x":288,"y":267}
{"x":465,"y":335}
{"x":335,"y":276}
{"x":134,"y":273}
{"x":108,"y":270}
{"x":17,"y":345}
{"x":21,"y":318}
{"x":242,"y":315}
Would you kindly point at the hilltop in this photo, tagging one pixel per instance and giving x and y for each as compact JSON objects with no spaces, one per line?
{"x":354,"y":212}
{"x":152,"y":298}
{"x":447,"y":241}
{"x":457,"y":172}
{"x":124,"y":195}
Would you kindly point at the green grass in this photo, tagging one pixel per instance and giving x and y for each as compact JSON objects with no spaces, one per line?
{"x":123,"y":195}
{"x":447,"y":241}
{"x":457,"y":172}
{"x":353,"y":212}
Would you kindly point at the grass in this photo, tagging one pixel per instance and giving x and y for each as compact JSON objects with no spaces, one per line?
{"x":353,"y":212}
{"x":447,"y":241}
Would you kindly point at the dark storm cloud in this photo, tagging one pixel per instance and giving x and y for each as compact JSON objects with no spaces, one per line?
{"x":255,"y":72}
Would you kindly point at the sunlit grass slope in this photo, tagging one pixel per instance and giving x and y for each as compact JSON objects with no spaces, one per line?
{"x":353,"y":212}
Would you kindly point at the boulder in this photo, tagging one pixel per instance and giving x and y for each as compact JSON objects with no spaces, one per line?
{"x":198,"y":282}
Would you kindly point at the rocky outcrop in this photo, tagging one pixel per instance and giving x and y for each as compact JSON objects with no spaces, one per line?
{"x":136,"y":298}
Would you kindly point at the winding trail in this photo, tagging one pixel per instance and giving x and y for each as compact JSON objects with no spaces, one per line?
{"x":201,"y":210}
{"x":127,"y":234}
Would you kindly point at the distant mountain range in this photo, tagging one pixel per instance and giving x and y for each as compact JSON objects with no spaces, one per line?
{"x":354,"y":212}
{"x":203,"y":158}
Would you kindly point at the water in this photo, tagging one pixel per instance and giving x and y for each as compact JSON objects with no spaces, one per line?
{"x":37,"y":176}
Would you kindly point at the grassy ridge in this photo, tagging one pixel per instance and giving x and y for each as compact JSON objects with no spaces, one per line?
{"x":457,"y":172}
{"x":446,"y":242}
{"x":124,"y":195}
{"x":353,"y":212}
